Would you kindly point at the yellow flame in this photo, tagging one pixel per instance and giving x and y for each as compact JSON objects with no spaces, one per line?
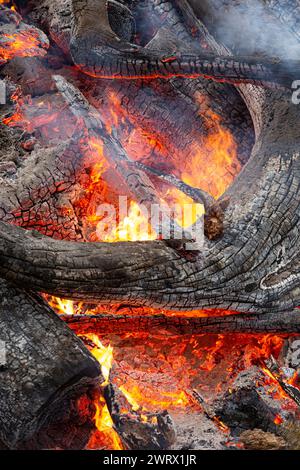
{"x":65,"y":306}
{"x":134,"y":227}
{"x":104,"y":424}
{"x":135,"y":406}
{"x":104,"y":356}
{"x":164,"y":400}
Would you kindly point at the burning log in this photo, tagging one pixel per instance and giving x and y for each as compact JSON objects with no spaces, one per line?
{"x":18,"y":39}
{"x":138,"y":429}
{"x":214,"y":210}
{"x":238,"y":285}
{"x":251,"y":268}
{"x":198,"y":102}
{"x":209,"y":411}
{"x":137,"y":181}
{"x":44,"y":365}
{"x":247,"y":406}
{"x":198,"y":195}
{"x":96,"y":49}
{"x":274,"y":370}
{"x":108,"y":323}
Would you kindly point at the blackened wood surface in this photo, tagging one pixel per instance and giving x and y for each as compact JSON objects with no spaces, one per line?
{"x":45,"y":362}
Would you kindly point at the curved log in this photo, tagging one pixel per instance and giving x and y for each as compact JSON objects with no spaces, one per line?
{"x":99,"y":52}
{"x":161,"y":109}
{"x":262,"y":218}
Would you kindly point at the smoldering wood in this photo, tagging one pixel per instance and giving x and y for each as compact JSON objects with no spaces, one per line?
{"x":12,"y":26}
{"x":45,"y":365}
{"x":239,"y":286}
{"x":287,"y":322}
{"x":209,"y":411}
{"x":134,"y":61}
{"x":139,"y":185}
{"x":56,"y":19}
{"x":69,"y":427}
{"x":214,"y":210}
{"x":198,"y":195}
{"x":247,"y":406}
{"x":276,"y":180}
{"x":292,"y":391}
{"x":157,"y":433}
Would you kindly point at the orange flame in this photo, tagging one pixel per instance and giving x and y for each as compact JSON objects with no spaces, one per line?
{"x":104,"y":356}
{"x":213,"y":166}
{"x":150,"y":400}
{"x":105,"y":434}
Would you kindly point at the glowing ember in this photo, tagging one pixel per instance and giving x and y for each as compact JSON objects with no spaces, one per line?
{"x":25,"y":43}
{"x":278,"y":420}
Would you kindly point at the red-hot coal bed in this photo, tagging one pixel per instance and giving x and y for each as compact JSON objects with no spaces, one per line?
{"x":150,"y":225}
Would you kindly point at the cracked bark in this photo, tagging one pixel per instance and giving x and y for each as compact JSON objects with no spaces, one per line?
{"x":283,"y":322}
{"x":97,"y":50}
{"x":46,"y":365}
{"x":261,"y":218}
{"x":147,"y":104}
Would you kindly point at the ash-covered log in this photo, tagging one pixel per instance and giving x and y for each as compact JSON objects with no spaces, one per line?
{"x":246,"y":405}
{"x":44,"y":365}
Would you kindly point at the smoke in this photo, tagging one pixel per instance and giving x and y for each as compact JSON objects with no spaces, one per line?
{"x":248,"y":27}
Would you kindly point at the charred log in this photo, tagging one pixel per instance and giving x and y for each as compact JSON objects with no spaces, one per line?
{"x":288,"y":322}
{"x":245,"y":406}
{"x":44,"y":366}
{"x":12,"y":28}
{"x":99,"y":52}
{"x":156,"y":432}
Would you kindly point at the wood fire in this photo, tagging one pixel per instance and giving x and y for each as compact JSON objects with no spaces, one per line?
{"x":125,"y":329}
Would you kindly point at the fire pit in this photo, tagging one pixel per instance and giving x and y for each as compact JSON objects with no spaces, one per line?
{"x":149,"y":228}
